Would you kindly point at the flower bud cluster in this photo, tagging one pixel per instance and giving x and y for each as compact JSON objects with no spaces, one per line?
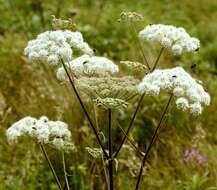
{"x":134,"y":66}
{"x":111,"y":103}
{"x":110,"y":92}
{"x":130,"y":16}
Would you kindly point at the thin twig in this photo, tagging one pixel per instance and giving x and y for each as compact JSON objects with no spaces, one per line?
{"x":95,"y":116}
{"x":131,"y":141}
{"x":84,"y":109}
{"x":41,"y":13}
{"x":51,"y":167}
{"x":157,"y":60}
{"x":140,"y":45}
{"x":129,"y":127}
{"x":110,"y":161}
{"x":151,"y":143}
{"x":106,"y":175}
{"x":64,"y":170}
{"x":59,"y":6}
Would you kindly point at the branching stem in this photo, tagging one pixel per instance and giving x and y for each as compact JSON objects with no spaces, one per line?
{"x":84,"y":109}
{"x":129,"y":127}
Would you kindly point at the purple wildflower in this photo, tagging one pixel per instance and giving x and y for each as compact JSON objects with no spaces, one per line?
{"x":201,"y":159}
{"x":192,"y":156}
{"x":187,"y":156}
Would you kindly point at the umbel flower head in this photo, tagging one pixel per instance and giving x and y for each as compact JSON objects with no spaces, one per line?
{"x":55,"y":133}
{"x":109,"y":92}
{"x":130,"y":16}
{"x":188,"y":92}
{"x":51,"y":46}
{"x":171,"y":37}
{"x":88,"y":66}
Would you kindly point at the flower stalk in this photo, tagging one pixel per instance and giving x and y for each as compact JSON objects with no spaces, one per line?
{"x":157,"y":60}
{"x":140,"y":45}
{"x":51,"y":166}
{"x":64,"y":170}
{"x":110,"y":160}
{"x":151,"y":143}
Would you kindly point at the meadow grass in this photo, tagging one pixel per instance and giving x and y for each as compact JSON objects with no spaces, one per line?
{"x":28,"y":89}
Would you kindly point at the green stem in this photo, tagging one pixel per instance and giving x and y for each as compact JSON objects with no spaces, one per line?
{"x":151,"y":143}
{"x":51,"y":167}
{"x":140,"y":45}
{"x":157,"y":60}
{"x":110,"y":160}
{"x":64,"y":170}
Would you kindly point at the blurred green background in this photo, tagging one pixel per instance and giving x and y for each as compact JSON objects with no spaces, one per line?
{"x":29,"y":89}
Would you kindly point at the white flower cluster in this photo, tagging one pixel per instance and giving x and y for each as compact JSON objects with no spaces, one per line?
{"x":51,"y":46}
{"x":88,"y":66}
{"x":189,"y":93}
{"x":176,"y":39}
{"x":44,"y":131}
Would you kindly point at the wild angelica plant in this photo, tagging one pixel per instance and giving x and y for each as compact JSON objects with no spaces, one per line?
{"x":99,"y":79}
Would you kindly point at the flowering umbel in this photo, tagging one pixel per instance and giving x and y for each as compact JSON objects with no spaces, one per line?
{"x":171,"y":37}
{"x":51,"y":46}
{"x":55,"y":133}
{"x":88,"y":66}
{"x":188,"y":92}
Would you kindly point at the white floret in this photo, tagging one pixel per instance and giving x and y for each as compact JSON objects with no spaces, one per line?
{"x":182,"y":103}
{"x":61,"y":74}
{"x":196,"y":108}
{"x":58,"y":143}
